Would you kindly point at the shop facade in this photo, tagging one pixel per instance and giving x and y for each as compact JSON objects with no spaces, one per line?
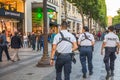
{"x":34,"y":16}
{"x":73,"y":17}
{"x":11,"y":16}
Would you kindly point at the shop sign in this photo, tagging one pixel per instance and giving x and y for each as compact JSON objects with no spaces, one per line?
{"x":51,"y":7}
{"x":38,"y":5}
{"x":11,"y":14}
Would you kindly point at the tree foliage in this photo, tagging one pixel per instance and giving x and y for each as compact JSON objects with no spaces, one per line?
{"x":116,"y":19}
{"x":95,"y":9}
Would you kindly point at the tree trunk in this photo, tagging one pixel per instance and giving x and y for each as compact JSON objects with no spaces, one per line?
{"x":82,"y":15}
{"x":44,"y":61}
{"x":65,"y":9}
{"x":88,"y":22}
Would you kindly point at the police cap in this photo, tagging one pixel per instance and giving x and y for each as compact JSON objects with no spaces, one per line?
{"x":64,"y":24}
{"x":111,"y":28}
{"x":86,"y":28}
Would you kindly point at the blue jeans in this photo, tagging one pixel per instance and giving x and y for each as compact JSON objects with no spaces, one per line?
{"x":4,"y":48}
{"x":25,"y":44}
{"x":86,"y":53}
{"x":33,"y":45}
{"x":63,"y":61}
{"x":39,"y":45}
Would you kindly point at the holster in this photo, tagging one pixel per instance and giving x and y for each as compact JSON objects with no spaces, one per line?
{"x":57,"y":54}
{"x":73,"y":58}
{"x":92,"y":48}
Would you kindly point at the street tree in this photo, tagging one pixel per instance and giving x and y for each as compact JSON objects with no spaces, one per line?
{"x":116,"y":19}
{"x":93,"y":9}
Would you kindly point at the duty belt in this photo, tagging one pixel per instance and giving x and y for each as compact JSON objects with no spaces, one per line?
{"x":85,"y":46}
{"x":57,"y":54}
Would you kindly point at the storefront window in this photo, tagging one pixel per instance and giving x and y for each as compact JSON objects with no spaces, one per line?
{"x":6,"y":6}
{"x":13,"y":5}
{"x":1,"y":5}
{"x":37,"y":19}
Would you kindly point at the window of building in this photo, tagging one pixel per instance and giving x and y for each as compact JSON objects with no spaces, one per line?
{"x":13,"y":5}
{"x":73,"y":9}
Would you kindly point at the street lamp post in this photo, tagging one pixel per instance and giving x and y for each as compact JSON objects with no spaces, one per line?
{"x":44,"y":61}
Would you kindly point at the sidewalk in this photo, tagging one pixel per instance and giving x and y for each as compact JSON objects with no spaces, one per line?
{"x":24,"y":53}
{"x":27,"y":70}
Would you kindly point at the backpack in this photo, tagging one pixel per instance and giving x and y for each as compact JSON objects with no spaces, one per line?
{"x":1,"y":40}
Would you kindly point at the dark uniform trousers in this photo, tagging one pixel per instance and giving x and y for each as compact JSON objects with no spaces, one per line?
{"x":63,"y":60}
{"x":4,"y":48}
{"x":109,"y":58}
{"x":86,"y":53}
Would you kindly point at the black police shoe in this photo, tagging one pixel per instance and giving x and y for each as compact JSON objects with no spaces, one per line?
{"x":112,"y":73}
{"x":0,"y":60}
{"x":91,"y":73}
{"x":84,"y":76}
{"x":108,"y":75}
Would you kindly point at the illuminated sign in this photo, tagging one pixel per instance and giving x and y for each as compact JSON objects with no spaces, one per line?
{"x":11,"y":14}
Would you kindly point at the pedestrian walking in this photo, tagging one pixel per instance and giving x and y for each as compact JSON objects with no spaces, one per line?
{"x":111,"y":45}
{"x":25,"y":41}
{"x":16,"y":43}
{"x":63,"y":44}
{"x":99,"y":35}
{"x":29,"y":40}
{"x":42,"y":41}
{"x":86,"y":42}
{"x":39,"y":41}
{"x":3,"y":46}
{"x":33,"y":40}
{"x":52,"y":36}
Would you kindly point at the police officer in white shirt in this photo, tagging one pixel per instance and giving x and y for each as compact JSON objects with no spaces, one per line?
{"x":111,"y":45}
{"x":86,"y":43}
{"x":64,"y":48}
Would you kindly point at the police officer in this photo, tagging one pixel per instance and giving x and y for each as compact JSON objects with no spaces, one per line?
{"x":111,"y":45}
{"x":64,"y":48}
{"x":86,"y":43}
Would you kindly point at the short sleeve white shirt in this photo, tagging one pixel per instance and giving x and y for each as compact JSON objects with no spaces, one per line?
{"x":111,"y":39}
{"x":64,"y":46}
{"x":25,"y":38}
{"x":86,"y":42}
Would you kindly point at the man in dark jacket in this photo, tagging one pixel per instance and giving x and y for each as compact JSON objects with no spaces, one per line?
{"x":3,"y":46}
{"x":33,"y":40}
{"x":39,"y":41}
{"x":16,"y":43}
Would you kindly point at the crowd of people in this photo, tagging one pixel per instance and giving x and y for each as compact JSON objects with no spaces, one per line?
{"x":18,"y":40}
{"x":64,"y":44}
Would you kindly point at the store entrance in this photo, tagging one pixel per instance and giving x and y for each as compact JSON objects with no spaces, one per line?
{"x":10,"y":25}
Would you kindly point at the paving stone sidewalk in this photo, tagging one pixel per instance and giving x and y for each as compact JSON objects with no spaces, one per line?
{"x":27,"y":70}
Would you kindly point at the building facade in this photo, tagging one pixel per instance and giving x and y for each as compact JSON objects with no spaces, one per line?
{"x":34,"y":15}
{"x":73,"y":17}
{"x":109,"y":20}
{"x":11,"y":16}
